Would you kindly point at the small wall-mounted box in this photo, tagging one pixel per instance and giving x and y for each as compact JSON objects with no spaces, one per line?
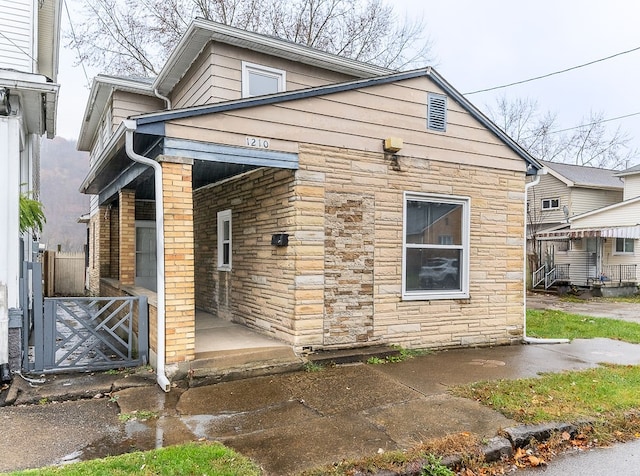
{"x":280,"y":239}
{"x":392,"y":144}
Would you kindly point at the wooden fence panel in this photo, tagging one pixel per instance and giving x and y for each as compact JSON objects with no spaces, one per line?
{"x":69,"y":273}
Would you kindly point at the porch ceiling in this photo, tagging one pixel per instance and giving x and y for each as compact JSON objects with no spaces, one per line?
{"x":211,"y":163}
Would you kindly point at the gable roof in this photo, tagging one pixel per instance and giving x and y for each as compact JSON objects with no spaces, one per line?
{"x":630,"y":171}
{"x":101,"y":89}
{"x":153,"y":123}
{"x":582,"y":176}
{"x":200,"y":32}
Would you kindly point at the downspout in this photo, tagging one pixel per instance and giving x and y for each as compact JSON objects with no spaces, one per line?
{"x":526,"y":339}
{"x":166,"y":100}
{"x":130,"y":127}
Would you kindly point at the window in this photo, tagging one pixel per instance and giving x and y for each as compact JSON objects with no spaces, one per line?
{"x":436,"y":112}
{"x":550,"y":203}
{"x":436,"y":247}
{"x":258,"y":80}
{"x":624,"y":245}
{"x":224,"y":240}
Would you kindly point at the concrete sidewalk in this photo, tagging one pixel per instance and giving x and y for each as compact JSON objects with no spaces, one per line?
{"x":286,"y":422}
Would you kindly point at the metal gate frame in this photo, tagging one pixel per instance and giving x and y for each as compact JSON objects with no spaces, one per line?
{"x":81,"y":333}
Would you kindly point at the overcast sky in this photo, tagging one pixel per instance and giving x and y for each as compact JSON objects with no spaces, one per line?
{"x":480,"y":44}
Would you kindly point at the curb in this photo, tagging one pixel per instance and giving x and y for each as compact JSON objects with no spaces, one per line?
{"x":495,"y":449}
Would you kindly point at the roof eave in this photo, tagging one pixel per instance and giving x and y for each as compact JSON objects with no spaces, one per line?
{"x":201,"y":31}
{"x":101,"y":89}
{"x":115,"y":143}
{"x":533,"y":165}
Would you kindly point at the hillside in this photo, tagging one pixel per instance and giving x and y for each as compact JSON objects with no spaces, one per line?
{"x":62,"y":170}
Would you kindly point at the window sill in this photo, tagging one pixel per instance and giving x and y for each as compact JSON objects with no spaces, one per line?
{"x":435,"y":296}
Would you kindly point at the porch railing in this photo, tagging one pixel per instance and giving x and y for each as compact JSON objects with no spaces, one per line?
{"x":549,"y":277}
{"x":538,"y":275}
{"x":619,"y":273}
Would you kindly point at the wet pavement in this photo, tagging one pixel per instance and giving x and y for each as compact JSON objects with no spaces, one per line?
{"x":285,"y":422}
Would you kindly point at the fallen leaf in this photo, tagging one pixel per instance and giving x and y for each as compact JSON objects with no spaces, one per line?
{"x":566,"y":436}
{"x":535,"y":461}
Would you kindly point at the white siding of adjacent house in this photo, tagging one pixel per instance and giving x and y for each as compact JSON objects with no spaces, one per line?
{"x":631,"y":186}
{"x":548,"y":188}
{"x":625,"y":215}
{"x":216,"y":75}
{"x":16,"y":41}
{"x":584,"y":200}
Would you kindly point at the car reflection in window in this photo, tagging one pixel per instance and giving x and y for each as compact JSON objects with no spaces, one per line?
{"x":440,"y":273}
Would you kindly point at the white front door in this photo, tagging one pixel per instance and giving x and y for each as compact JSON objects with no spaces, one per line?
{"x":146,"y":259}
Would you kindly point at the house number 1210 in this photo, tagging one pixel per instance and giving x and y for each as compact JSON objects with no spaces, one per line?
{"x":258,"y":142}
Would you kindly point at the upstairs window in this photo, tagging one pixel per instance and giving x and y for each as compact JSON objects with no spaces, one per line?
{"x":550,"y":203}
{"x":436,"y":112}
{"x":258,"y":80}
{"x":624,"y":245}
{"x":224,"y":240}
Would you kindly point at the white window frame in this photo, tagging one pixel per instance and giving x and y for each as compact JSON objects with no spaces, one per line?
{"x":248,"y":68}
{"x":463,"y":292}
{"x":550,"y":203}
{"x":224,"y":216}
{"x":624,"y":247}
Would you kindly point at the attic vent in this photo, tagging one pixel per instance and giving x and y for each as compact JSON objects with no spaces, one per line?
{"x":436,"y":112}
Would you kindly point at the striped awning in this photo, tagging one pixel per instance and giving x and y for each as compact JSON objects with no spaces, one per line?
{"x":632,"y":232}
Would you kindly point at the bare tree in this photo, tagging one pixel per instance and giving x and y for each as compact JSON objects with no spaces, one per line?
{"x":134,"y":37}
{"x":591,"y":143}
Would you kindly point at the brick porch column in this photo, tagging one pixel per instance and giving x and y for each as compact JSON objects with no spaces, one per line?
{"x":180,"y":315}
{"x":127,"y":220}
{"x":99,"y":248}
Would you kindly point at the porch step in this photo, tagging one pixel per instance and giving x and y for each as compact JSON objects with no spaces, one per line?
{"x":346,"y":356}
{"x":235,"y":364}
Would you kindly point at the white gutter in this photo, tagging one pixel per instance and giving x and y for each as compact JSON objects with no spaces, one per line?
{"x":130,"y":127}
{"x":526,"y":339}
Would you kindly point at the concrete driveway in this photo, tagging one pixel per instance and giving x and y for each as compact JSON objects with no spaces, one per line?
{"x":588,"y":307}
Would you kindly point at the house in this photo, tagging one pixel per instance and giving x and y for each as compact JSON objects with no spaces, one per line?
{"x":321,"y":201}
{"x":598,"y":245}
{"x":29,"y":41}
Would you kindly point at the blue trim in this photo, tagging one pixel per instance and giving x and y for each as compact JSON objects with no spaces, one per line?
{"x":229,"y":154}
{"x":275,"y":98}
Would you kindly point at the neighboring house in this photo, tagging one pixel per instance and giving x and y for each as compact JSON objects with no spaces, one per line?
{"x":315,"y":199}
{"x":29,"y":41}
{"x":599,"y":246}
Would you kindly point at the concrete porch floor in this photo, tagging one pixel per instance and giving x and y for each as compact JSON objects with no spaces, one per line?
{"x":226,"y":351}
{"x":214,"y":334}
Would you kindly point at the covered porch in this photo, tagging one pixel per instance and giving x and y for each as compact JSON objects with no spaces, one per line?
{"x":589,"y":257}
{"x":140,"y":204}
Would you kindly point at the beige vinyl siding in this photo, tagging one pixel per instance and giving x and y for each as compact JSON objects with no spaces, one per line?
{"x":624,"y":215}
{"x":549,"y":188}
{"x":586,"y":199}
{"x":196,"y":87}
{"x":217,"y":75}
{"x":366,"y":117}
{"x":631,"y":186}
{"x":16,"y":41}
{"x":125,"y":104}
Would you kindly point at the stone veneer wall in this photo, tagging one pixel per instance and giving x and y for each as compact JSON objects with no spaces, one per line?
{"x":338,"y":283}
{"x":258,"y":290}
{"x":355,"y":185}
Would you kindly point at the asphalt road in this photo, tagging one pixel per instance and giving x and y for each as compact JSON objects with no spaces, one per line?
{"x":621,"y":459}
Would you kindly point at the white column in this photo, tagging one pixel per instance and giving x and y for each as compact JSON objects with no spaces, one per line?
{"x":9,"y":230}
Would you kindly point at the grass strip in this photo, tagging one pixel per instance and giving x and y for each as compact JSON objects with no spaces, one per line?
{"x":604,"y":393}
{"x":188,"y":459}
{"x":558,"y":324}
